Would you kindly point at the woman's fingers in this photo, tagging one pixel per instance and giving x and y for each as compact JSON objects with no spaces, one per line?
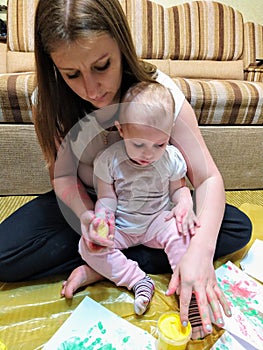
{"x":174,"y":283}
{"x":185,"y":297}
{"x":209,"y":305}
{"x":222,"y":301}
{"x":85,"y":219}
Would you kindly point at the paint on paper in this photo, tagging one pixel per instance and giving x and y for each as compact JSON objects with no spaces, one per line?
{"x":93,"y":327}
{"x":245,"y":296}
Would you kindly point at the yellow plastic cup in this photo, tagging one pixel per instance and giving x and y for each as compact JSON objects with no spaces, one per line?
{"x":171,"y":334}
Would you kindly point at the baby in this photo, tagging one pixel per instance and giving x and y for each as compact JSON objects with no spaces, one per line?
{"x":142,"y":193}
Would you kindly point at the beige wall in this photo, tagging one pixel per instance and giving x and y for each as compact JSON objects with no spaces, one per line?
{"x":252,"y":10}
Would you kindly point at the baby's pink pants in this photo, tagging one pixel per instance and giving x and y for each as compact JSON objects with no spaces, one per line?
{"x":114,"y":265}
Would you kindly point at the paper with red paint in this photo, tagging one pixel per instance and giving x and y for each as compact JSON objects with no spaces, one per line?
{"x":245,"y":296}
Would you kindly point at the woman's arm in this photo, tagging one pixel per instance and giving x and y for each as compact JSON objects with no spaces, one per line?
{"x":65,"y":182}
{"x":195,"y":272}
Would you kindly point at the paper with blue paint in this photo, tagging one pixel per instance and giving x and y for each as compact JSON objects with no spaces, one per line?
{"x":93,"y":327}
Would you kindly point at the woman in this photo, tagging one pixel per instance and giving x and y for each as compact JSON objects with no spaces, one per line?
{"x":86,"y":60}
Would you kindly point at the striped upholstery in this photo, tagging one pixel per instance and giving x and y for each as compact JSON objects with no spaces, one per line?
{"x":15,"y":101}
{"x":21,"y":25}
{"x":224,"y":102}
{"x":148,"y":23}
{"x":253,"y":42}
{"x":254,"y":72}
{"x":205,"y":30}
{"x":185,"y":31}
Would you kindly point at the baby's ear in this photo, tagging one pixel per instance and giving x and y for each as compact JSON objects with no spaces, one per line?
{"x":118,"y":126}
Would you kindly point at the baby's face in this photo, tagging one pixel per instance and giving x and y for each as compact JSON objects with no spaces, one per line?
{"x":144,"y":144}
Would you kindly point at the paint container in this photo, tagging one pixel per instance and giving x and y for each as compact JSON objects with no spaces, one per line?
{"x":171,"y":334}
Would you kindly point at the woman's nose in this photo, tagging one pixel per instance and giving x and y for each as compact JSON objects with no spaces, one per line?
{"x":91,"y":87}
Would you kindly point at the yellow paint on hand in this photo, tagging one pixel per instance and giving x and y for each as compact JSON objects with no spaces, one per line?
{"x":103,"y":229}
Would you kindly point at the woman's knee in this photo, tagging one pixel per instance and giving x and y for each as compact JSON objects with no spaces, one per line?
{"x":235,"y":232}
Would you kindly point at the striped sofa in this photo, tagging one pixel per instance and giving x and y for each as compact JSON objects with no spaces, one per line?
{"x":204,"y":46}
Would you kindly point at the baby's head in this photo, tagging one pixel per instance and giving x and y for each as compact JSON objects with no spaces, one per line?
{"x":145,"y":121}
{"x":149,"y":104}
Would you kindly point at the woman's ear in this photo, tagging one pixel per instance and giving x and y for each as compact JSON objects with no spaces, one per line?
{"x":118,"y":126}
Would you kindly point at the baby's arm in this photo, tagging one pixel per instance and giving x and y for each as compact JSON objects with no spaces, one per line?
{"x":182,"y":211}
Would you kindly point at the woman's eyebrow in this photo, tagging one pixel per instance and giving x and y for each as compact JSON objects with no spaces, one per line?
{"x":74,"y":69}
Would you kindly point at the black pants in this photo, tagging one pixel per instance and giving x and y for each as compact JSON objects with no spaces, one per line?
{"x":36,"y":242}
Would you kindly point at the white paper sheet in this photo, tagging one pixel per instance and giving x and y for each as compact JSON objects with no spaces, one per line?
{"x":228,"y":342}
{"x":92,"y":326}
{"x":252,"y":263}
{"x":245,"y":296}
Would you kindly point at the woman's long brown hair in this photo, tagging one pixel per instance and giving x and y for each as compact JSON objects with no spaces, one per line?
{"x":57,"y":22}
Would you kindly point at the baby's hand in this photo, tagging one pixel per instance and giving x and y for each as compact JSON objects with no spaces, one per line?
{"x":101,"y":229}
{"x":186,"y":220}
{"x":86,"y":219}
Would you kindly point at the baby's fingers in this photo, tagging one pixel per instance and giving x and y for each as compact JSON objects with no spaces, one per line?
{"x":169,"y":216}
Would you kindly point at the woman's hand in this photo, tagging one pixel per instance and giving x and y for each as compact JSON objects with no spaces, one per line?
{"x":85,"y":220}
{"x":195,"y":274}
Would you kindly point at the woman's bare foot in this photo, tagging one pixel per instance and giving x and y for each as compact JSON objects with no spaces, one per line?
{"x":80,"y":277}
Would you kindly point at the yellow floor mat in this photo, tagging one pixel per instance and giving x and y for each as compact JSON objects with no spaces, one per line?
{"x":32,"y":312}
{"x":9,"y":204}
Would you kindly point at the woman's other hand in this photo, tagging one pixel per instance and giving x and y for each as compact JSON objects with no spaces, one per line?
{"x":195,"y":274}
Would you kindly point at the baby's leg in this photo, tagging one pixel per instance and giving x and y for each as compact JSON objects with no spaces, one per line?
{"x":143,"y":291}
{"x":164,"y":234}
{"x":144,"y":287}
{"x":114,"y":265}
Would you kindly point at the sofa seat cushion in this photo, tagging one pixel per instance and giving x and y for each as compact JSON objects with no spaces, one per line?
{"x":15,"y":97}
{"x":224,"y":102}
{"x":207,"y":69}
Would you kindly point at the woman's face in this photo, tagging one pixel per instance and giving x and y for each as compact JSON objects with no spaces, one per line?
{"x":92,"y":68}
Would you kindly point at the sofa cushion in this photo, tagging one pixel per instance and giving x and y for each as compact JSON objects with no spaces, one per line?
{"x":148,"y":27}
{"x":21,"y":25}
{"x":208,"y":30}
{"x":207,"y":69}
{"x":254,"y":72}
{"x":253,"y":43}
{"x":15,"y":97}
{"x":20,"y":36}
{"x":20,"y":62}
{"x":224,"y":102}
